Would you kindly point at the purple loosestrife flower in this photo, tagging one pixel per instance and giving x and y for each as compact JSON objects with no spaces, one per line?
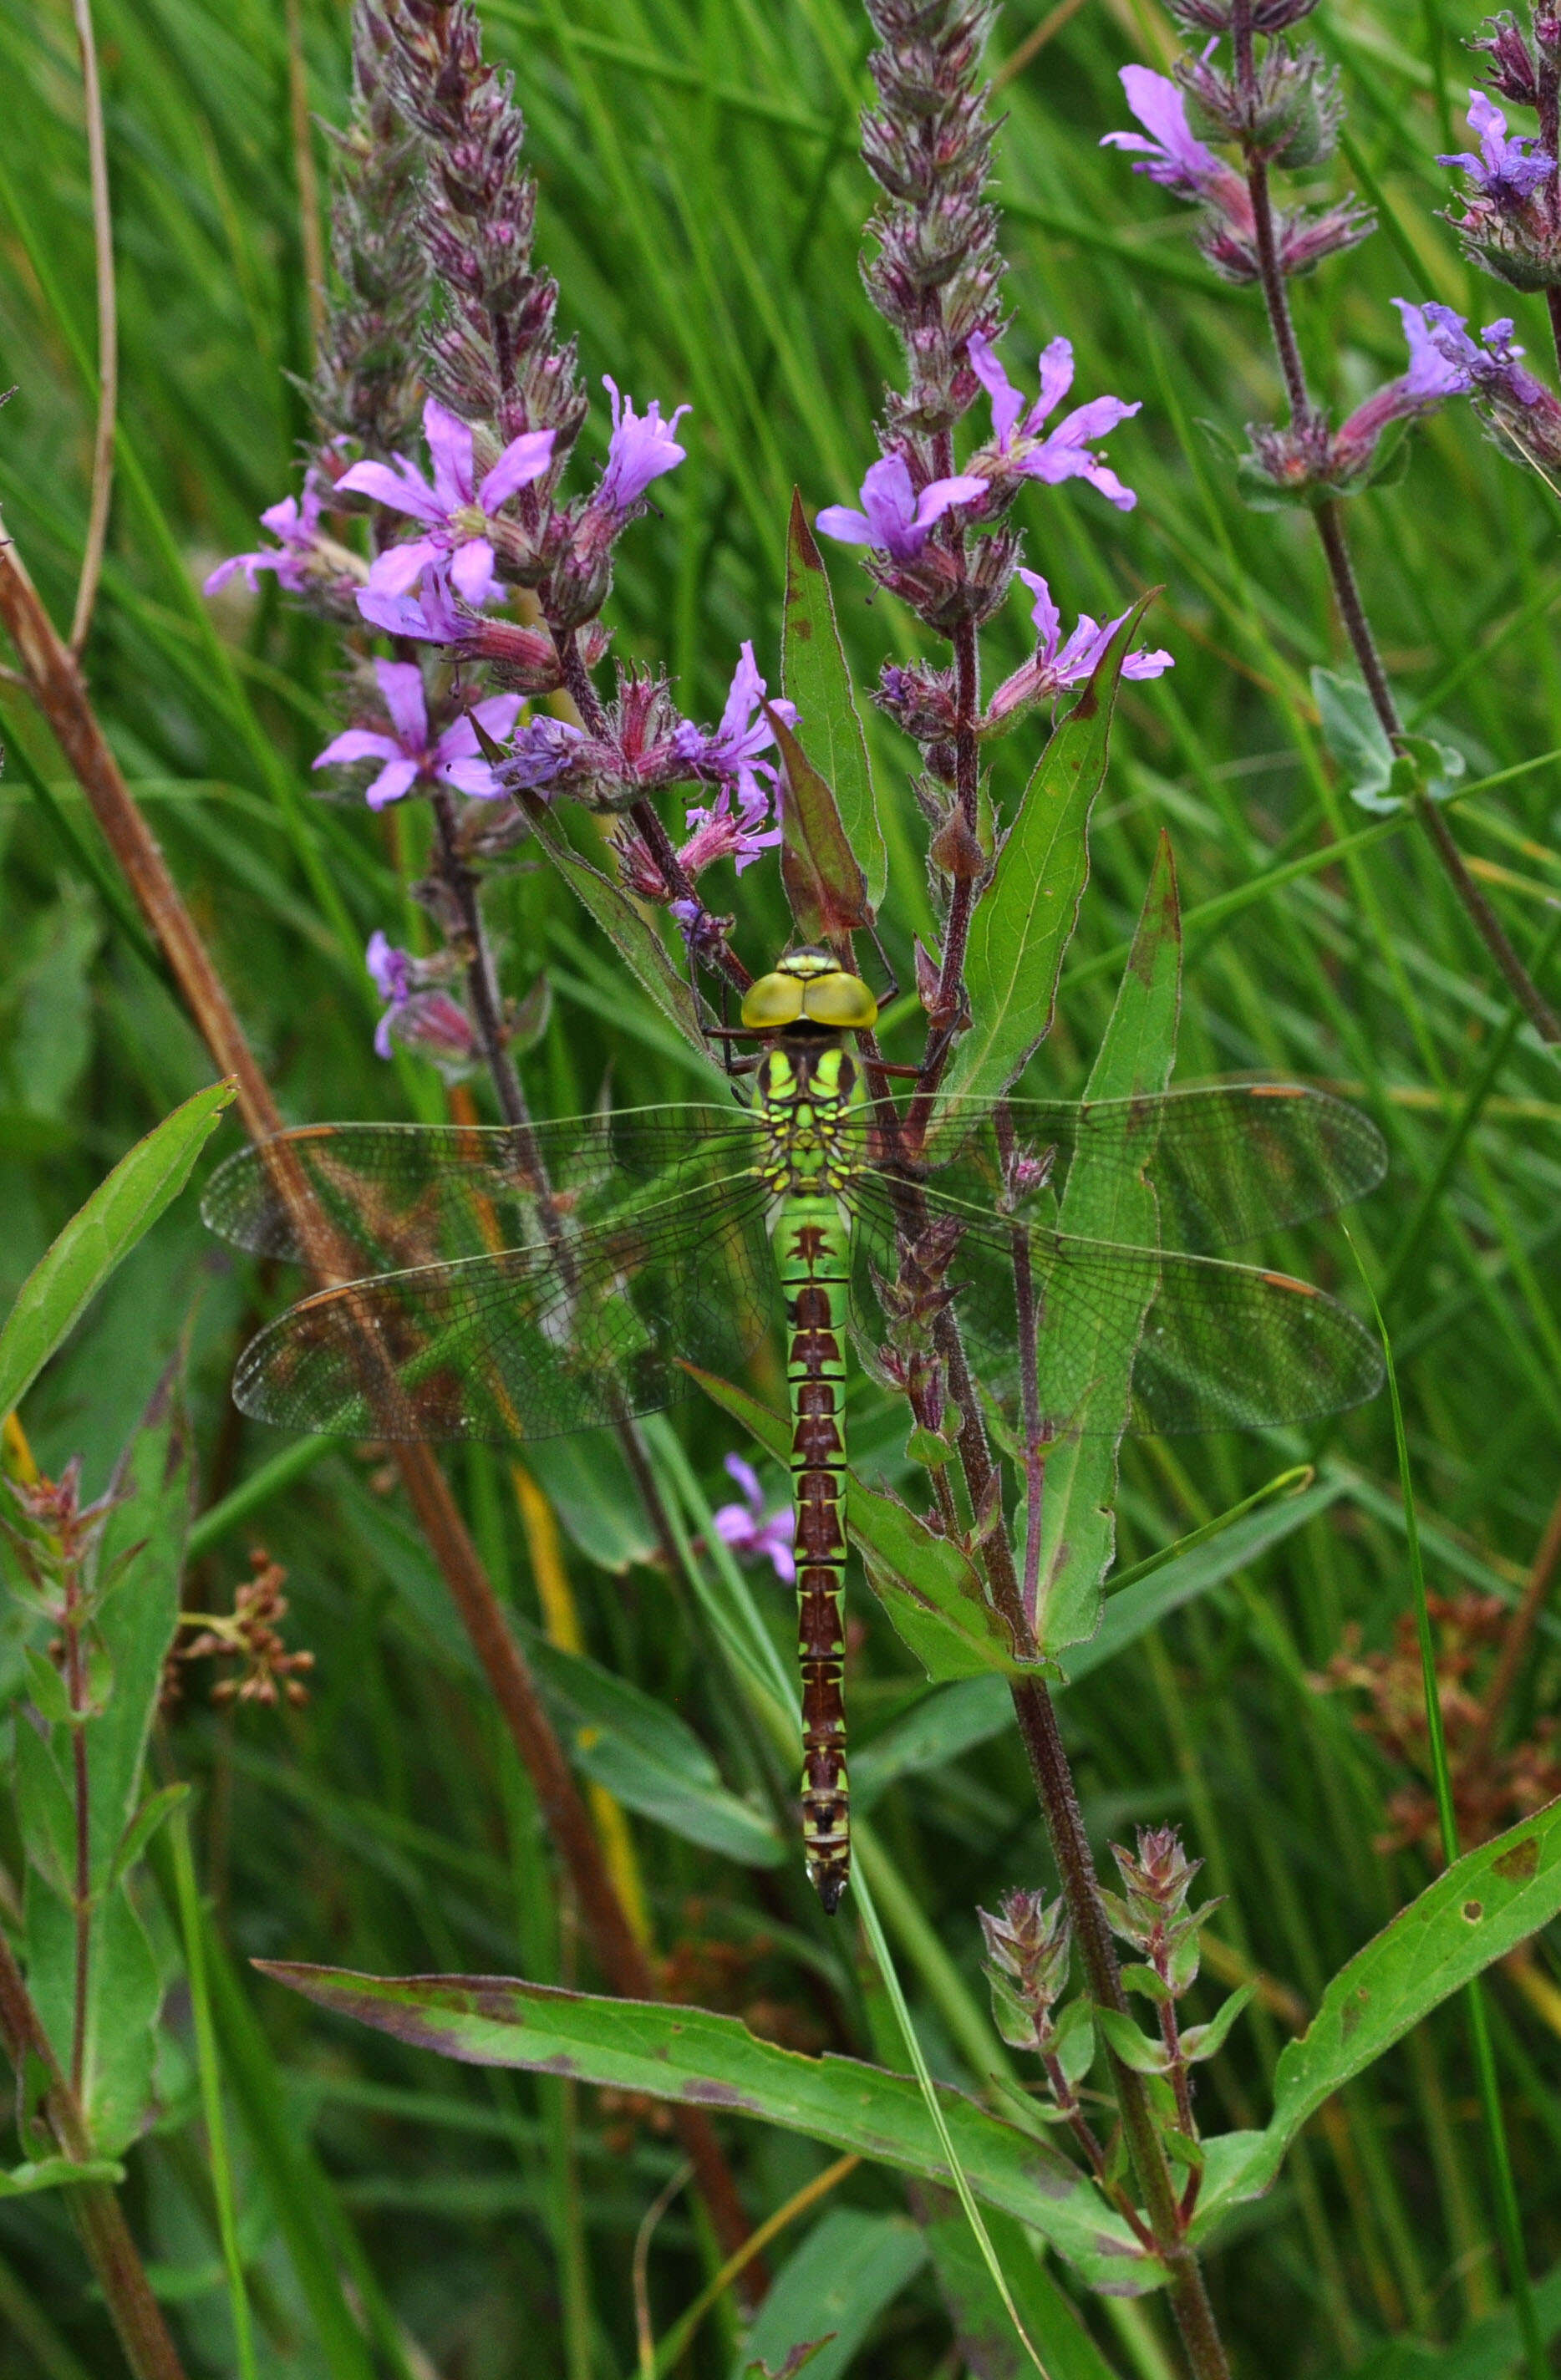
{"x":421,"y":1016}
{"x":1501,"y":172}
{"x":544,"y":750}
{"x":1435,"y":374}
{"x":1171,"y":155}
{"x":894,"y":519}
{"x":1056,"y":667}
{"x":736,"y":825}
{"x":300,"y":553}
{"x":430,"y":615}
{"x":747,"y":1530}
{"x":642,"y":447}
{"x":412,"y":756}
{"x":1065,"y":454}
{"x":455,"y":511}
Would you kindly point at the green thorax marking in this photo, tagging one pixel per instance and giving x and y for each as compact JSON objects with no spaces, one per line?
{"x":806,"y":1084}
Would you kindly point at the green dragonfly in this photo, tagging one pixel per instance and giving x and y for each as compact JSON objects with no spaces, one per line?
{"x":519,"y":1283}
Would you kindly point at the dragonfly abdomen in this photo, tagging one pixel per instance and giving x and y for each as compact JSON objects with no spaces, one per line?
{"x":813,"y":1251}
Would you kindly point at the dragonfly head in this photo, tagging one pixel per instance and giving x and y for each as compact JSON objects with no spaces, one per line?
{"x":809,"y":986}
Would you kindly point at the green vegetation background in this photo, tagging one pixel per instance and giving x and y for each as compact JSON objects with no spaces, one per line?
{"x":701,"y":205}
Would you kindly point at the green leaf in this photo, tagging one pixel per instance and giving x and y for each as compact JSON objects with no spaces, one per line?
{"x":815,"y":675}
{"x":982,"y":2332}
{"x":960,"y":1716}
{"x":138,"y":1835}
{"x":1482,"y":1907}
{"x":825,"y":885}
{"x":696,"y":2059}
{"x":49,"y":1692}
{"x":1026,"y":920}
{"x":66,"y":1278}
{"x":1203,"y":2041}
{"x":1379,"y":779}
{"x":636,"y":939}
{"x":1132,"y":2047}
{"x":1143,"y":1979}
{"x":927,"y":1584}
{"x":1078,"y":1525}
{"x":848,"y":2270}
{"x":649,"y":1757}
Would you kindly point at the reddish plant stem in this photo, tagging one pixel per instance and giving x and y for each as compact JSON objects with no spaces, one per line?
{"x":1342,"y":572}
{"x":1519,"y":1635}
{"x":55,"y":685}
{"x":111,"y":2250}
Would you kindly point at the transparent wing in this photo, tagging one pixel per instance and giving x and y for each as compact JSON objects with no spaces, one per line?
{"x":401,"y":1194}
{"x":1228,"y":1160}
{"x":532,"y":1341}
{"x":1213,"y":1345}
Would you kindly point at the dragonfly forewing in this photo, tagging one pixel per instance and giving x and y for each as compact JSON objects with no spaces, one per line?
{"x":529,"y":1341}
{"x":394,"y":1196}
{"x":1227,"y":1161}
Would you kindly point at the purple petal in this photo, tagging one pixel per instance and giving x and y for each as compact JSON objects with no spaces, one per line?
{"x":450,"y":449}
{"x":497,"y":715}
{"x":471,"y":572}
{"x":889,"y":499}
{"x":941,"y":495}
{"x":1007,"y":403}
{"x":1147,"y":664}
{"x":473,"y":778}
{"x":398,"y":570}
{"x":1057,"y":379}
{"x":396,"y":778}
{"x":358,"y":744}
{"x":848,"y":526}
{"x":1045,"y":617}
{"x":405,"y":489}
{"x":225,"y":571}
{"x":390,"y":967}
{"x":401,"y":684}
{"x":524,"y":459}
{"x":739,"y":1470}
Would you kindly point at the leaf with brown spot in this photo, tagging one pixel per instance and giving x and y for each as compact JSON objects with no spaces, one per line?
{"x":822,"y":875}
{"x":1429,"y":1952}
{"x":690,"y":2056}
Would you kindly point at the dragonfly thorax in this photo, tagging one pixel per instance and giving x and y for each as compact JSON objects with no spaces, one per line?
{"x":805,"y":1083}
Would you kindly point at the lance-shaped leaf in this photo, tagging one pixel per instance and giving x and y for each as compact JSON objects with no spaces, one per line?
{"x":1026,"y":918}
{"x":980,"y":2323}
{"x":927,"y":1584}
{"x":817,"y":677}
{"x":1076,"y":1529}
{"x":821,"y":873}
{"x":703,"y":2060}
{"x":1483,"y":1906}
{"x":832,"y":2291}
{"x":635,"y":939}
{"x":119,"y":1212}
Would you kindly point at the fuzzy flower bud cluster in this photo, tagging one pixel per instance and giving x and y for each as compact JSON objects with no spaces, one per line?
{"x":1151,"y":1914}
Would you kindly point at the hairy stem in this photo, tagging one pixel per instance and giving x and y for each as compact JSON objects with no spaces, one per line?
{"x":111,"y":2250}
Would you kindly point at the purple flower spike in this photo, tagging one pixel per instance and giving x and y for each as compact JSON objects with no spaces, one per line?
{"x":1501,"y":172}
{"x":894,"y":519}
{"x":425,"y":1019}
{"x":736,"y":825}
{"x":1065,"y":454}
{"x":745,"y":1529}
{"x":297,"y":527}
{"x":411,"y":756}
{"x":456,"y":510}
{"x":1172,"y":156}
{"x":1438,"y":369}
{"x":641,"y":448}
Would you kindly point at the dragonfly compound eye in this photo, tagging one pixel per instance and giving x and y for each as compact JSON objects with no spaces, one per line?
{"x":773,"y":1001}
{"x":841,"y":1000}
